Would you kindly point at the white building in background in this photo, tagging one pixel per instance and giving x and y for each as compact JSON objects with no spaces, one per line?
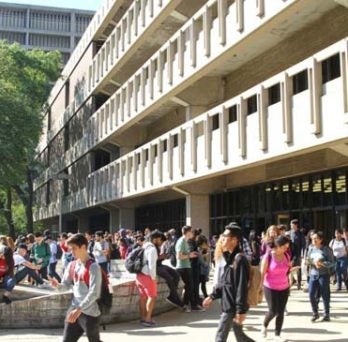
{"x":201,"y":112}
{"x":47,"y":28}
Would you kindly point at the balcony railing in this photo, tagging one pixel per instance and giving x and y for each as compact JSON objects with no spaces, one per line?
{"x":211,"y":32}
{"x":230,"y":136}
{"x":139,"y":17}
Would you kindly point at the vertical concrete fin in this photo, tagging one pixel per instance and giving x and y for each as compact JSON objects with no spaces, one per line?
{"x":262,"y":113}
{"x":223,"y":123}
{"x":286,"y":94}
{"x":194,"y":146}
{"x":241,"y":117}
{"x":222,"y":12}
{"x":315,"y":86}
{"x":207,"y":22}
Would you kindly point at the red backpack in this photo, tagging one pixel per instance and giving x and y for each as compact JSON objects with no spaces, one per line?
{"x":105,"y":299}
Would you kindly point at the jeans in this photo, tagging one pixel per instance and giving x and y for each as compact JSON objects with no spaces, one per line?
{"x":341,"y":272}
{"x":186,"y":276}
{"x":24,"y":271}
{"x":172,"y":279}
{"x":88,"y":324}
{"x":319,"y":284}
{"x":8,"y":283}
{"x":225,"y":325}
{"x":104,"y":266}
{"x":52,"y":271}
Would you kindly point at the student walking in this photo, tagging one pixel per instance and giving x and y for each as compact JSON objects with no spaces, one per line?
{"x":231,"y":285}
{"x":340,"y":251}
{"x":321,"y":262}
{"x":41,"y":254}
{"x":275,"y":269}
{"x":84,"y":314}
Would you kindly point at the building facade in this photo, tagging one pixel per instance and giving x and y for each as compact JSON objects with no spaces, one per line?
{"x":201,"y":112}
{"x":47,"y":28}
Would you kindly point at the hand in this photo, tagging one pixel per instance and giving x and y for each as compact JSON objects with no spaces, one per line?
{"x":73,"y":316}
{"x":240,"y":318}
{"x":39,"y":261}
{"x":207,"y":302}
{"x":54,"y":282}
{"x":318,"y":264}
{"x":193,"y":255}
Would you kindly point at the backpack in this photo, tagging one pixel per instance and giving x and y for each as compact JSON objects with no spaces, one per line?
{"x":172,"y":252}
{"x":135,"y":260}
{"x":255,"y":293}
{"x":59,"y":253}
{"x":105,"y":300}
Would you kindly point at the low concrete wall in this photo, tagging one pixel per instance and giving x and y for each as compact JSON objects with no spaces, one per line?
{"x":49,"y":310}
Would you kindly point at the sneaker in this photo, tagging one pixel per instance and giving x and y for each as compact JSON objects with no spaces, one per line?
{"x":278,"y":338}
{"x":314,"y":317}
{"x":6,"y":299}
{"x":173,"y":302}
{"x":286,"y":312}
{"x":326,"y":319}
{"x":197,"y":308}
{"x":148,"y":324}
{"x":264,"y":332}
{"x":186,"y":309}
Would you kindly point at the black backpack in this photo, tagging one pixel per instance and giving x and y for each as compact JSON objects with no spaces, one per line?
{"x":172,"y":252}
{"x":59,"y":253}
{"x":135,"y":260}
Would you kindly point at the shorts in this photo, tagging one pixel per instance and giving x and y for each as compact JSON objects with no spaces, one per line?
{"x":146,"y":285}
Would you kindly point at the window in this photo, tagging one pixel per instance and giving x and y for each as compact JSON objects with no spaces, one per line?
{"x":155,"y":148}
{"x":66,"y":137}
{"x":232,"y":114}
{"x":175,"y":140}
{"x":252,"y":104}
{"x":49,"y":119}
{"x":67,"y":93}
{"x":164,"y":145}
{"x":330,"y":68}
{"x":215,"y":121}
{"x":300,"y":82}
{"x":274,"y":94}
{"x":48,"y":191}
{"x":146,"y":155}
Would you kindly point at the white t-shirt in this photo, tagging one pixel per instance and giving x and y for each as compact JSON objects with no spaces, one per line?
{"x":18,"y":259}
{"x":338,"y":248}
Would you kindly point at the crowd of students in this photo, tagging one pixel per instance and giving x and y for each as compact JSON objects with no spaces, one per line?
{"x":189,"y":257}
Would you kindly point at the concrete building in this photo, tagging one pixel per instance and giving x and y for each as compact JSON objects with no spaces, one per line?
{"x":47,"y":28}
{"x":201,"y":112}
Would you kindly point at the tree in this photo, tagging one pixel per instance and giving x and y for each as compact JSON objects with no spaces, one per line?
{"x":26,"y":78}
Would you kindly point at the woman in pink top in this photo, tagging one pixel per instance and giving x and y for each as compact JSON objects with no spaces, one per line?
{"x":274,"y":269}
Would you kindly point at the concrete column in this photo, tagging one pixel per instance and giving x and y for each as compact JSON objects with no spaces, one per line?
{"x":197,"y":212}
{"x":121,"y":218}
{"x":83,"y":224}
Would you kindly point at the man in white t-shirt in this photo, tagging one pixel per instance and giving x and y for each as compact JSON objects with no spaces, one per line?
{"x":101,"y":251}
{"x":24,"y":267}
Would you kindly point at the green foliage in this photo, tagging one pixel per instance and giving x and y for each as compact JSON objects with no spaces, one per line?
{"x":25,"y":81}
{"x":26,"y":78}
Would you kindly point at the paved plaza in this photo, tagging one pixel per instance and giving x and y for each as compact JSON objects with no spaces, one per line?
{"x":177,"y":326}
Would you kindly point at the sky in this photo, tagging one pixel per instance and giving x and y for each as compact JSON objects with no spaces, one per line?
{"x":79,"y":4}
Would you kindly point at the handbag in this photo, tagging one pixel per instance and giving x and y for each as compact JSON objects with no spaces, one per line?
{"x":240,"y":335}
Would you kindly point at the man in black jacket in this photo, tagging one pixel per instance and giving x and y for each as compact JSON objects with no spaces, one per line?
{"x":231,"y":285}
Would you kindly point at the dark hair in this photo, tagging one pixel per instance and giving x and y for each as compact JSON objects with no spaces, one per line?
{"x":186,"y":229}
{"x":38,"y":234}
{"x":280,"y":241}
{"x":320,"y":234}
{"x":156,"y":234}
{"x":23,"y":245}
{"x":99,"y":233}
{"x":89,"y":232}
{"x":78,"y":240}
{"x":339,"y":230}
{"x":64,"y":236}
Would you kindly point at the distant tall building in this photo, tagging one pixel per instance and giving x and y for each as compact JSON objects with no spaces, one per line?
{"x":47,"y":28}
{"x":200,"y":112}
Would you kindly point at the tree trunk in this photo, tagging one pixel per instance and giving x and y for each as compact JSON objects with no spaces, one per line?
{"x":27,"y":198}
{"x":29,"y":205}
{"x":8,"y":214}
